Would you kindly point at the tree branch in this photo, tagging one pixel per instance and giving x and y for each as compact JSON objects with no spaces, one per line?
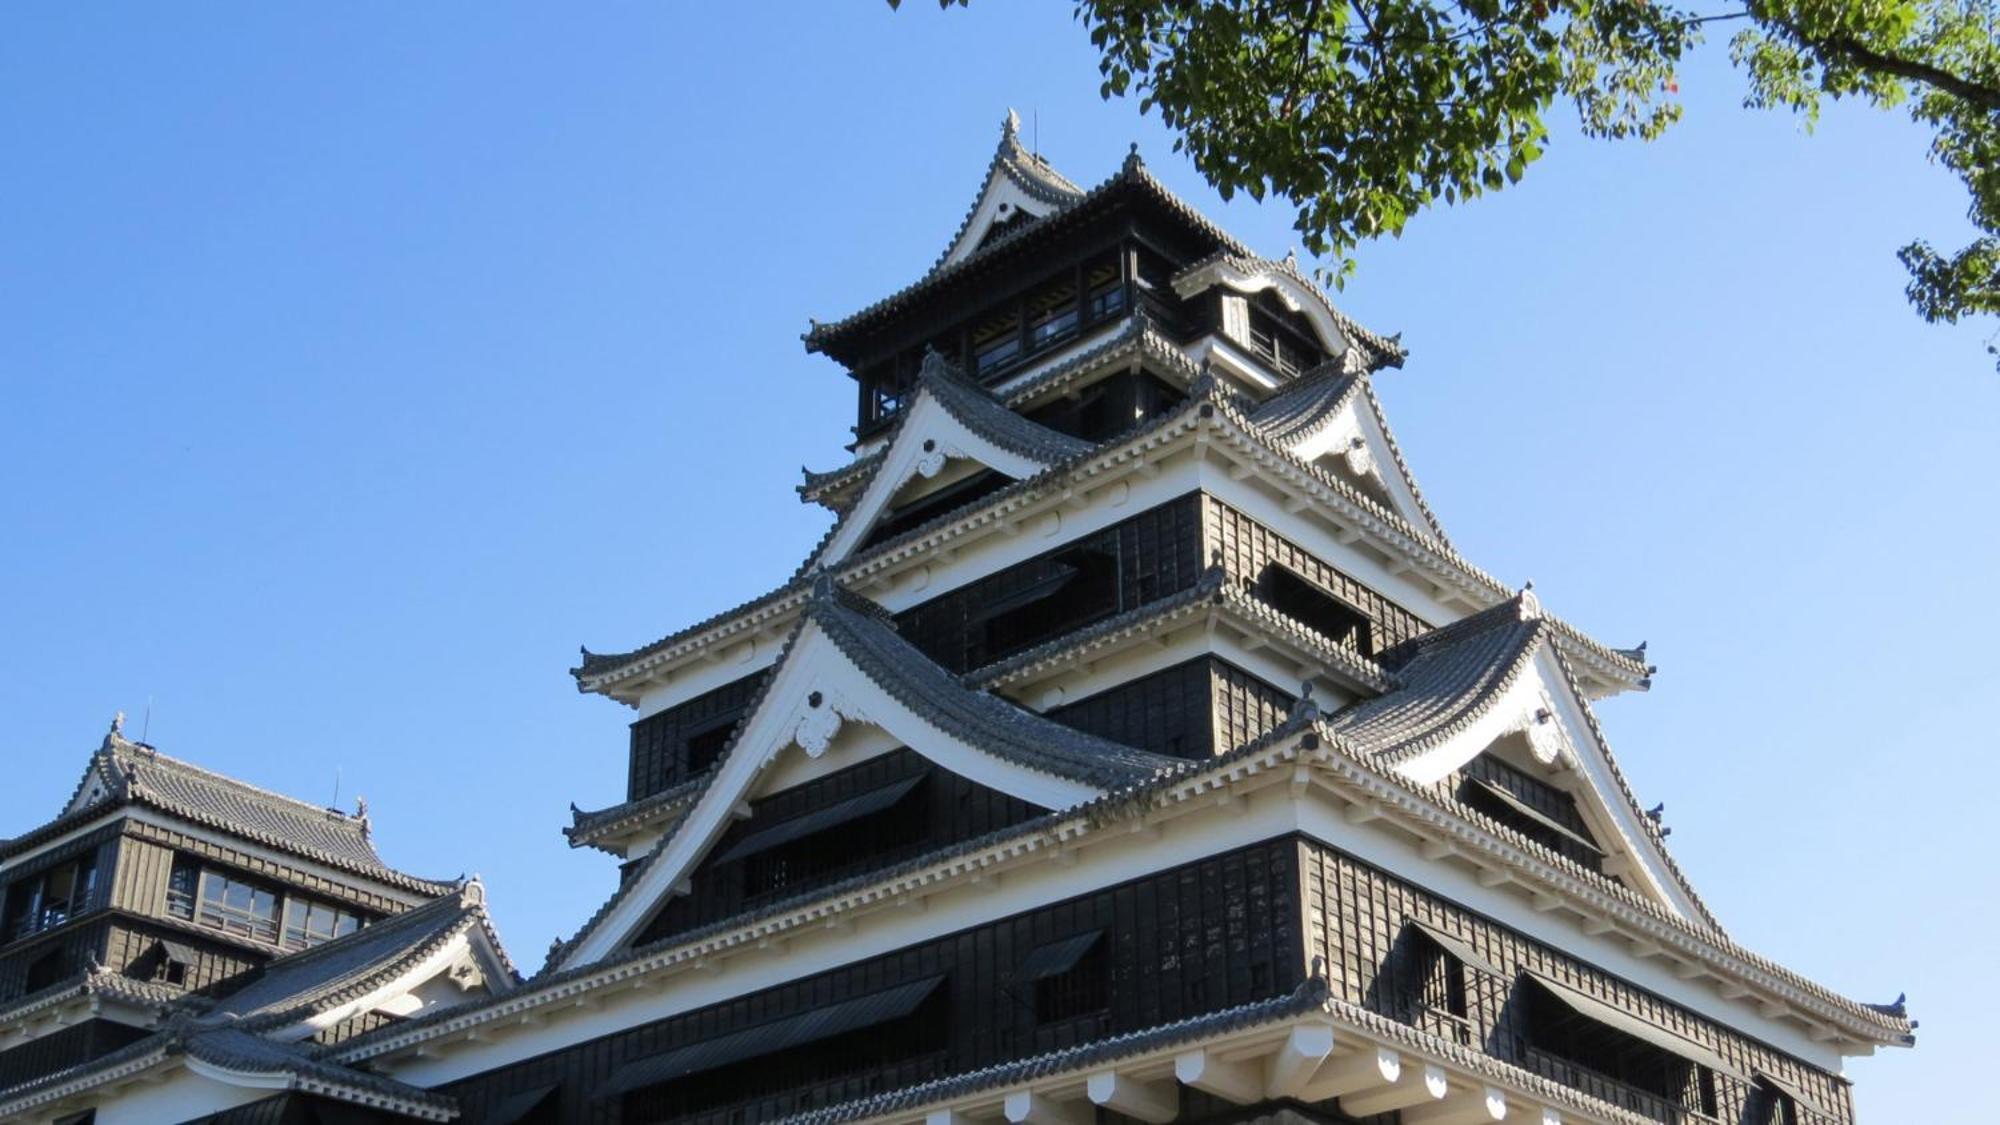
{"x":1860,"y":54}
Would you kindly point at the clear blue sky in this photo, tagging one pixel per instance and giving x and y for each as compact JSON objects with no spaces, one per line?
{"x":358,"y":364}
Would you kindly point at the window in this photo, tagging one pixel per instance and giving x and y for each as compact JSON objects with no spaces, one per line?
{"x":847,"y":843}
{"x":996,"y":342}
{"x":1530,"y":806}
{"x":1071,"y":978}
{"x":1311,"y":605}
{"x":181,"y":885}
{"x":1052,"y":314}
{"x":1081,"y":585}
{"x":706,"y":743}
{"x":308,"y":923}
{"x":40,"y":902}
{"x":1591,"y":1044}
{"x":236,"y":906}
{"x":1104,"y":289}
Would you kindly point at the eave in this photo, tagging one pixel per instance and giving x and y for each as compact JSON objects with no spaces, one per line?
{"x":1293,"y":761}
{"x":1214,"y":430}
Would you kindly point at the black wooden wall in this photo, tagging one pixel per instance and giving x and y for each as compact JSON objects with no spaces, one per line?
{"x":660,"y":741}
{"x":944,"y":809}
{"x":69,"y":1047}
{"x":1247,"y":548}
{"x":1196,"y":709}
{"x":1176,"y":944}
{"x":1154,"y":554}
{"x":1357,"y":922}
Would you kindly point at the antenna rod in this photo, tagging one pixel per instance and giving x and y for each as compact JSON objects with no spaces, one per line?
{"x":336,"y":788}
{"x":146,"y":727}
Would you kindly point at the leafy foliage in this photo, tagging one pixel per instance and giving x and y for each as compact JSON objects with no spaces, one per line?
{"x":1363,"y":112}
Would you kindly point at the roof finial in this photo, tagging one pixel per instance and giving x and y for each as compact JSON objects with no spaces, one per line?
{"x":822,"y":585}
{"x":1292,"y":257}
{"x":361,"y":812}
{"x":1132,"y":161}
{"x":1306,"y":710}
{"x":1010,"y":130}
{"x":118,"y":725}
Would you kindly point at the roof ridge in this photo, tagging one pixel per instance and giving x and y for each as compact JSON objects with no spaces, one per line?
{"x":147,"y":755}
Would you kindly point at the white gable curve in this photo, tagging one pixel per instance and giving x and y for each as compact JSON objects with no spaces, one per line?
{"x":1543,"y":706}
{"x":815,"y":694}
{"x":930,"y":437}
{"x":1246,"y":276}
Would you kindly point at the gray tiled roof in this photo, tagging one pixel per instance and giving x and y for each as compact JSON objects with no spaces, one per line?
{"x":95,"y":982}
{"x":1309,"y":996}
{"x":977,"y":410}
{"x":1205,"y":395}
{"x":302,"y":984}
{"x":132,"y":773}
{"x":220,"y":1045}
{"x":1305,"y":405}
{"x":1450,"y":676}
{"x":863,"y":632}
{"x":981,"y":719}
{"x":1131,"y":176}
{"x":588,"y":826}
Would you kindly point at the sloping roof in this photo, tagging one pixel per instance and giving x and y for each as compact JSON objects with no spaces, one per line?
{"x":1204,"y":395}
{"x":234,"y":1031}
{"x":866,"y":635}
{"x":1012,"y":160}
{"x":1131,"y":177}
{"x":978,"y":410}
{"x":93,"y":983}
{"x":1449,"y":676}
{"x":269,"y":1064}
{"x":1305,"y":405}
{"x":981,"y":719}
{"x":303,"y":984}
{"x":588,"y":826}
{"x":122,"y":772}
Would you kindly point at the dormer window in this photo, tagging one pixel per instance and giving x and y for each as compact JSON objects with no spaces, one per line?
{"x":1531,"y":807}
{"x":1317,"y":608}
{"x":1431,"y":972}
{"x":1069,"y":978}
{"x":1593,"y":1045}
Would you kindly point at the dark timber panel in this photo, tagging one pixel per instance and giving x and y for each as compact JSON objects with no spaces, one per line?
{"x":678,"y":743}
{"x":355,"y":890}
{"x":1249,"y":550}
{"x":62,"y":1049}
{"x":133,"y":948}
{"x":1356,"y":921}
{"x":1176,"y":944}
{"x":1150,"y":556}
{"x":939,"y":808}
{"x":1192,"y":710}
{"x":141,"y":880}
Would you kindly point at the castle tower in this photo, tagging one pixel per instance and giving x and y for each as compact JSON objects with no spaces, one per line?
{"x":1134,"y":747}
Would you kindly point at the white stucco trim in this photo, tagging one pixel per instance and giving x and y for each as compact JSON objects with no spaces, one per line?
{"x":816,"y":692}
{"x":1294,"y":294}
{"x":1540,"y":705}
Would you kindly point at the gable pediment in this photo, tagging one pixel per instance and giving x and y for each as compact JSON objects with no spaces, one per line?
{"x":1330,"y":418}
{"x":1020,"y":187}
{"x":1496,"y":685}
{"x":847,"y":689}
{"x":952,"y":430}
